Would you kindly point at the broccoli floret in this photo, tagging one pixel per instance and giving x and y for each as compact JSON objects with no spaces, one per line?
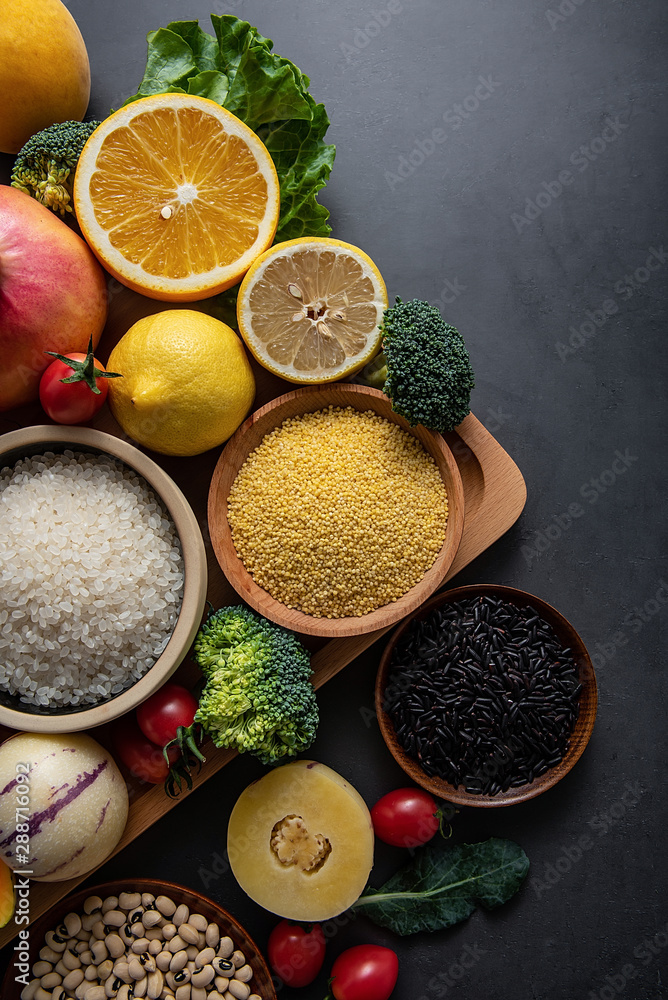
{"x":423,"y":366}
{"x":45,"y":167}
{"x":258,"y":695}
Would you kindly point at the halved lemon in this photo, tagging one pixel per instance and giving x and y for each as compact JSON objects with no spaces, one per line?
{"x":310,"y":310}
{"x":176,"y":196}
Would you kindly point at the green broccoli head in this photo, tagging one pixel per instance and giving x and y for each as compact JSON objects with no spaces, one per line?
{"x":258,"y":695}
{"x":424,"y":366}
{"x":45,"y":167}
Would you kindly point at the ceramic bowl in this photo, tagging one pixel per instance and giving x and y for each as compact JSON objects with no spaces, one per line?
{"x":567,"y":637}
{"x":35,"y":440}
{"x":261,"y":983}
{"x":249,"y":436}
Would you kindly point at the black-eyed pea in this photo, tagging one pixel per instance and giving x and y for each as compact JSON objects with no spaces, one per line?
{"x":73,"y":979}
{"x":137,"y":929}
{"x":99,"y":931}
{"x":42,"y":994}
{"x":181,"y":914}
{"x":86,"y":957}
{"x":82,"y":936}
{"x":61,"y":969}
{"x":192,"y":952}
{"x":56,"y":941}
{"x":58,"y":994}
{"x":112,"y":985}
{"x":136,"y":969}
{"x":189,"y":933}
{"x":151,"y":918}
{"x":166,"y":906}
{"x":154,"y":984}
{"x":114,"y":918}
{"x":183,"y":992}
{"x":89,"y":920}
{"x":73,"y":923}
{"x":215,"y":995}
{"x":92,"y":905}
{"x":50,"y":980}
{"x":202,"y":977}
{"x":223,"y":967}
{"x":29,"y":990}
{"x":221,"y":983}
{"x":205,"y":957}
{"x":155,"y":946}
{"x":70,"y":960}
{"x":168,"y":932}
{"x":148,"y":962}
{"x":154,"y":934}
{"x":198,"y":993}
{"x":244,"y":973}
{"x":139,"y":945}
{"x":198,"y":921}
{"x":135,"y":916}
{"x":147,"y":899}
{"x":163,"y":960}
{"x":41,"y":968}
{"x":125,"y":992}
{"x":49,"y":955}
{"x":129,"y":900}
{"x":180,"y":978}
{"x":105,"y":969}
{"x":238,"y":959}
{"x":225,"y":947}
{"x":122,"y":971}
{"x":239,"y":990}
{"x":255,"y":996}
{"x":99,"y":951}
{"x":95,"y":993}
{"x":90,"y":973}
{"x":109,"y":904}
{"x":176,"y":944}
{"x":114,"y":945}
{"x":212,"y":935}
{"x":179,"y":961}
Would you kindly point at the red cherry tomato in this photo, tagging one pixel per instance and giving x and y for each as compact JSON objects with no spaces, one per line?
{"x":76,"y":401}
{"x":406,"y":817}
{"x":141,"y":757}
{"x":161,"y":715}
{"x":365,"y":972}
{"x":296,"y":952}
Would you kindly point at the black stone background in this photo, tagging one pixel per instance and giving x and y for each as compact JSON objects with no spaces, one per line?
{"x":557,"y":74}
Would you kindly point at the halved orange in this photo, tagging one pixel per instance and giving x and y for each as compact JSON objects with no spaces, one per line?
{"x":176,"y":196}
{"x":310,"y":310}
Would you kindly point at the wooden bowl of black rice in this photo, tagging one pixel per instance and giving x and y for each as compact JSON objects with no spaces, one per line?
{"x":486,"y":696}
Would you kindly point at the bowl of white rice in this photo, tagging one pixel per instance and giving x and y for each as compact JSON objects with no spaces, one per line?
{"x":103,"y":578}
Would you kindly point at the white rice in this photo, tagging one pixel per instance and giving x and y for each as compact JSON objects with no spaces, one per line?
{"x":91,"y":579}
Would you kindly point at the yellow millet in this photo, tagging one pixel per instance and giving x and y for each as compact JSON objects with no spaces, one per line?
{"x":338,"y":512}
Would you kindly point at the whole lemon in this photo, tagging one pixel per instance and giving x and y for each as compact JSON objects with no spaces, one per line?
{"x":187,"y":383}
{"x":44,"y":70}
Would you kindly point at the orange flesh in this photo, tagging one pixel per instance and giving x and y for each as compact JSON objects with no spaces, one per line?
{"x":183,"y":161}
{"x":333,"y":289}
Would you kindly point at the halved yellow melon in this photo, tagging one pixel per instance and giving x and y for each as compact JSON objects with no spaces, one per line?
{"x":300,"y":842}
{"x":7,"y":897}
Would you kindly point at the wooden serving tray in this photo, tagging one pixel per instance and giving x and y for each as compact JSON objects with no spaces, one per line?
{"x":494,"y":493}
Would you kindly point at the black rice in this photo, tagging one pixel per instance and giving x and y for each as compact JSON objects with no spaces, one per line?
{"x":482,"y":694}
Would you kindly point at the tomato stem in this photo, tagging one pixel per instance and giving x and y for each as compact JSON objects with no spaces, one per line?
{"x":84,"y":371}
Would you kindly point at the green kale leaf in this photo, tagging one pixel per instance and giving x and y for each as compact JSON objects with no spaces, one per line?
{"x":441,"y":887}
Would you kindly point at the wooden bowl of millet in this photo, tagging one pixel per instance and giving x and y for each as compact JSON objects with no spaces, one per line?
{"x":250,"y":435}
{"x":433,"y":673}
